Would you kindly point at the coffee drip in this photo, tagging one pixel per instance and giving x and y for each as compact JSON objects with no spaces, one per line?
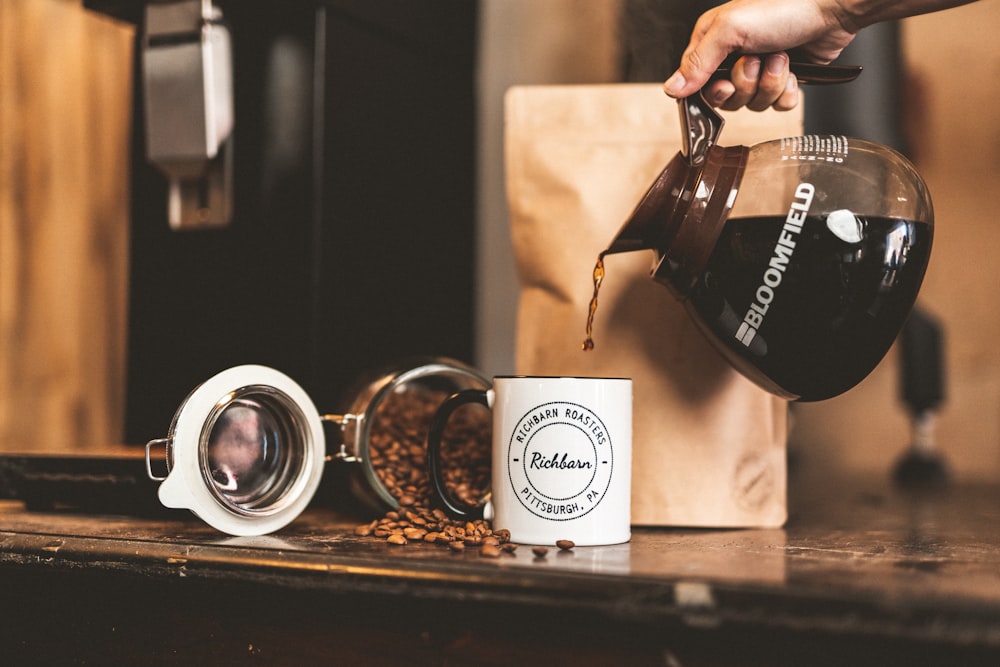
{"x":588,"y":343}
{"x":799,"y":258}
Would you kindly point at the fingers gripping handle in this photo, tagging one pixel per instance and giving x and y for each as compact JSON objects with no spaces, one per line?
{"x":811,"y":73}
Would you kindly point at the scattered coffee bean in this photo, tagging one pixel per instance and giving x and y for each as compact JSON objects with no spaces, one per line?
{"x":366,"y":529}
{"x":414,"y":533}
{"x":490,"y":551}
{"x":540,"y":552}
{"x":396,"y":539}
{"x":565,"y":545}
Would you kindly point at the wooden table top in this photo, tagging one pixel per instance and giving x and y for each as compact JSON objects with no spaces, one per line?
{"x":856,"y":559}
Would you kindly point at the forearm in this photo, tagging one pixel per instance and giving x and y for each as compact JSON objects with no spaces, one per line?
{"x":857,"y":14}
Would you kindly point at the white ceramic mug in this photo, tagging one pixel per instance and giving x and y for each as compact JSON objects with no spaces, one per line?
{"x":561,"y":458}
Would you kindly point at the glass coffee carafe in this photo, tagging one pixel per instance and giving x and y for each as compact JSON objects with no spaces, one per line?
{"x":800,"y":258}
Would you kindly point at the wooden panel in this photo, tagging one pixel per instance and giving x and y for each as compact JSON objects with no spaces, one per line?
{"x":65,"y":100}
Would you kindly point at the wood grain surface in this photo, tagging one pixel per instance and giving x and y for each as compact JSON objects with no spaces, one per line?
{"x":65,"y":107}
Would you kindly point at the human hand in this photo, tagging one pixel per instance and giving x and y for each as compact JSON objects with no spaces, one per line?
{"x":813,"y":28}
{"x":755,"y":82}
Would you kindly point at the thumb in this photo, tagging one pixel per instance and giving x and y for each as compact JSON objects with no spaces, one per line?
{"x":693,"y":73}
{"x":700,"y":60}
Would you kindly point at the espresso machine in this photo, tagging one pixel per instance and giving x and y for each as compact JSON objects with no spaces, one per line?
{"x":302,"y":191}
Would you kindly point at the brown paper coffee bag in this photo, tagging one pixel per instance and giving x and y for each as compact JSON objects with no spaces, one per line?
{"x":708,"y":445}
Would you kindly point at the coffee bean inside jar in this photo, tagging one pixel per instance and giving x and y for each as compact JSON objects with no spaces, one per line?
{"x":399,"y":456}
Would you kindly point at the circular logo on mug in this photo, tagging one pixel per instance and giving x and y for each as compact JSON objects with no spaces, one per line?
{"x":560,"y":460}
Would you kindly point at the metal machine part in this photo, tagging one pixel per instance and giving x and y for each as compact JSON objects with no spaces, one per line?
{"x":188,"y":95}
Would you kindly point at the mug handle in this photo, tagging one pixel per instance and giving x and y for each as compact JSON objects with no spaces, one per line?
{"x":434,"y":437}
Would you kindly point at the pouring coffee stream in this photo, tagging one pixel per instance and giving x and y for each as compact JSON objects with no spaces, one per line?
{"x":588,"y":343}
{"x":799,"y":258}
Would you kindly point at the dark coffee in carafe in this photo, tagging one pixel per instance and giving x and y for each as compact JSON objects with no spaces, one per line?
{"x":813,"y":319}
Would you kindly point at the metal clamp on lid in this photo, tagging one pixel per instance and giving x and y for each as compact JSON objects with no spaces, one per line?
{"x":188,"y":94}
{"x":351,"y":433}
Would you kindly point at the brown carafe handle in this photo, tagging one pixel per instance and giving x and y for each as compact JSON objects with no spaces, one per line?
{"x":454,"y":509}
{"x":811,"y":73}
